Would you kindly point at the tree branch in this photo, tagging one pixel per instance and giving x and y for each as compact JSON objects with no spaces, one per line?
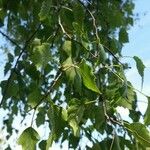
{"x":15,"y":66}
{"x":9,"y":39}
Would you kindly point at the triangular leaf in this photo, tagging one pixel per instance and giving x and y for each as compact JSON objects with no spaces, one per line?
{"x":41,"y":55}
{"x":28,"y":139}
{"x":88,"y":77}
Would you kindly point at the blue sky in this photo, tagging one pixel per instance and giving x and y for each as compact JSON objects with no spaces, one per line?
{"x":139,"y":45}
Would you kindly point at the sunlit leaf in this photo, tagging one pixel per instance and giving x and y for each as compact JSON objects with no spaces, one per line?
{"x":147,"y":113}
{"x":70,"y":69}
{"x":41,"y":55}
{"x":67,"y":47}
{"x":45,"y":10}
{"x":140,"y":132}
{"x":88,"y":77}
{"x":28,"y":139}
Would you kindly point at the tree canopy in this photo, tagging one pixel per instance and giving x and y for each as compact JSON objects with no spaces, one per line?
{"x":63,"y":67}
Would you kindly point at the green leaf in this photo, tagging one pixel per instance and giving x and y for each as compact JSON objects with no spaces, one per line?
{"x":34,"y":97}
{"x":28,"y":139}
{"x":75,"y":113}
{"x":45,"y":10}
{"x":67,"y":17}
{"x":36,"y":42}
{"x":10,"y":57}
{"x":56,"y":119}
{"x":69,"y":68}
{"x":67,"y":47}
{"x":99,"y":121}
{"x":88,"y":77}
{"x":102,"y":54}
{"x":42,"y":145}
{"x":96,"y":146}
{"x":126,"y":96}
{"x":64,"y":114}
{"x":73,"y":123}
{"x":49,"y":141}
{"x":147,"y":113}
{"x":40,"y":119}
{"x":12,"y":90}
{"x":140,"y":67}
{"x":7,"y":68}
{"x":41,"y":55}
{"x":78,"y":13}
{"x":140,"y":132}
{"x":123,"y":35}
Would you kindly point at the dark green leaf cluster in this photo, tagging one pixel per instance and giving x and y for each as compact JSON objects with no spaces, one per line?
{"x":63,"y":64}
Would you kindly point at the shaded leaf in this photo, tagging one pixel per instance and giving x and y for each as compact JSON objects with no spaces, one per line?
{"x":45,"y":10}
{"x":40,"y":119}
{"x":67,"y":17}
{"x":42,"y":145}
{"x":123,"y":36}
{"x":78,"y":13}
{"x":57,"y":123}
{"x":34,"y":97}
{"x":140,"y":67}
{"x":7,"y":68}
{"x":75,"y":113}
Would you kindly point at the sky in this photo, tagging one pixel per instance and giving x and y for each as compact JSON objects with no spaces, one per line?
{"x":139,"y":45}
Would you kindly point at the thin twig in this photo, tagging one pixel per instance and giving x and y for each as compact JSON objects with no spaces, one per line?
{"x":94,"y":21}
{"x":63,"y":30}
{"x":12,"y":41}
{"x":113,"y":140}
{"x":112,"y":54}
{"x":33,"y":117}
{"x":128,"y":84}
